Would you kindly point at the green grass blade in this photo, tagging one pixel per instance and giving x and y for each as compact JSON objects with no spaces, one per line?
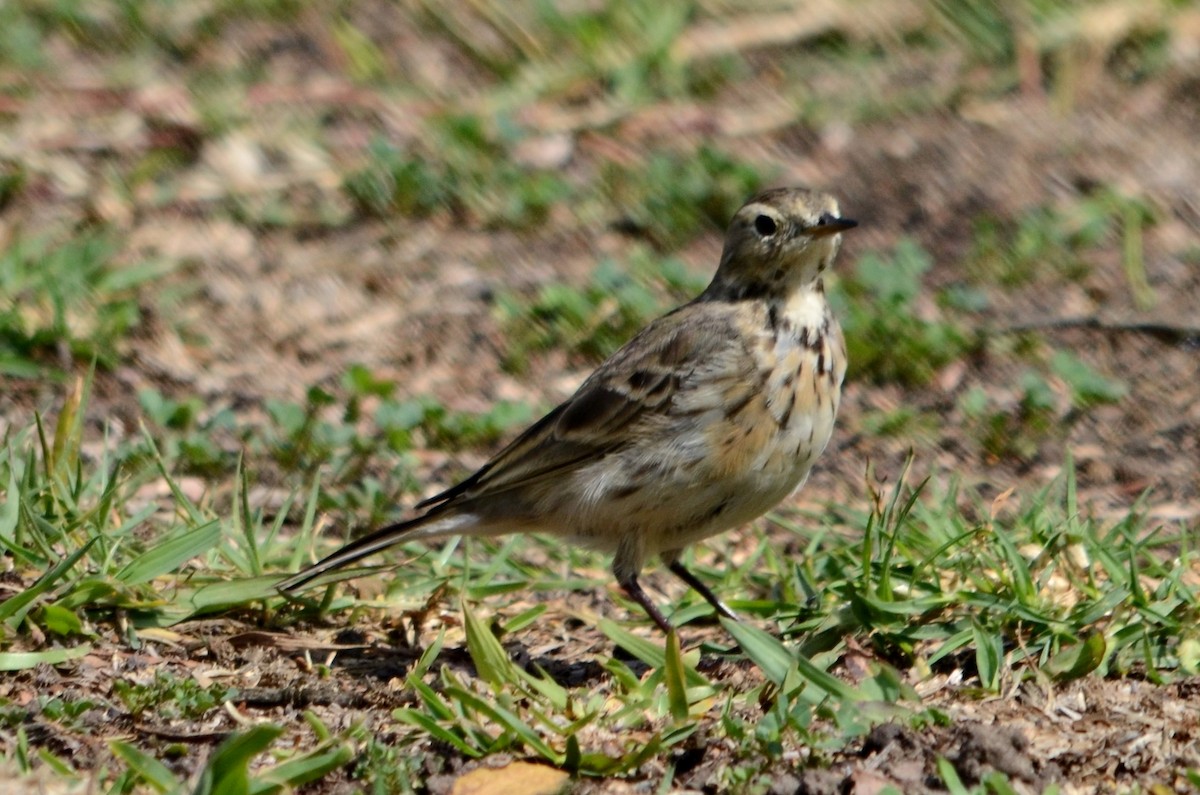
{"x":13,"y":610}
{"x":59,"y":620}
{"x":508,"y":720}
{"x":152,"y":771}
{"x":168,"y":555}
{"x":24,"y":660}
{"x":216,"y":595}
{"x":1078,"y":659}
{"x":649,"y":653}
{"x":491,"y":661}
{"x":674,"y":673}
{"x":10,"y":509}
{"x":297,"y":772}
{"x":988,"y":657}
{"x":826,"y":681}
{"x":433,"y":729}
{"x":434,"y":703}
{"x":228,"y":769}
{"x":181,"y":499}
{"x":428,"y":656}
{"x":776,"y":661}
{"x":764,"y":649}
{"x":211,"y":597}
{"x":524,"y":619}
{"x":241,"y":519}
{"x":950,"y":777}
{"x":551,"y":691}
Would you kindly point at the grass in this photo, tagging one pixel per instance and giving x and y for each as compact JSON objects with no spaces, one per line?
{"x":1038,"y":593}
{"x":926,"y":580}
{"x":1059,"y":242}
{"x":593,"y":320}
{"x":65,"y":302}
{"x":887,"y":341}
{"x":471,"y":174}
{"x":1046,"y":402}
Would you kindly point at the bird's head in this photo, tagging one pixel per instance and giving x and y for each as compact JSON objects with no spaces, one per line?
{"x":779,"y":241}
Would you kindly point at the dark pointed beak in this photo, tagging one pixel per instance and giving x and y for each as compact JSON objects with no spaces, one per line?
{"x":830,"y":225}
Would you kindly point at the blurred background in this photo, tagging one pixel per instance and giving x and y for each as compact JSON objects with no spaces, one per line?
{"x":417,"y":224}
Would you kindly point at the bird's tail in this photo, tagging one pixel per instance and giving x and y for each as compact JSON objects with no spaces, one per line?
{"x":422,"y":527}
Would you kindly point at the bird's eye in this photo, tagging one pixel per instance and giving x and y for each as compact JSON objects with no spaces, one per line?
{"x":764,"y":225}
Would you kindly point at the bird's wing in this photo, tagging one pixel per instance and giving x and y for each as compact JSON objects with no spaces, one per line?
{"x":685,"y":362}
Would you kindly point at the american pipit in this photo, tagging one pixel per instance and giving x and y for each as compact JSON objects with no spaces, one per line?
{"x":705,"y":420}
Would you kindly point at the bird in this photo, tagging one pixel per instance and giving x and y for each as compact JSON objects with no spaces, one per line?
{"x":705,"y":420}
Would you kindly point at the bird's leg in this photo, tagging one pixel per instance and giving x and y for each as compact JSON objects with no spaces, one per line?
{"x":634,"y":589}
{"x":677,"y":568}
{"x":626,"y":565}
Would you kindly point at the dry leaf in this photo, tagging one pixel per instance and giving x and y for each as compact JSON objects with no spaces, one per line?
{"x":1001,"y":501}
{"x":520,"y":777}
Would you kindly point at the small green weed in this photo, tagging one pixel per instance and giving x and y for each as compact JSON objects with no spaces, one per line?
{"x":350,"y":434}
{"x":1141,"y":56}
{"x":186,"y":436}
{"x":886,"y":339}
{"x":68,"y":299}
{"x":1087,"y":387}
{"x":1028,"y":592}
{"x":671,"y":197}
{"x":1013,"y":426}
{"x":69,"y":713}
{"x":901,"y":422}
{"x":1056,"y":35}
{"x":171,"y":698}
{"x":396,"y":182}
{"x":1006,"y":432}
{"x":623,"y":48}
{"x":983,"y":30}
{"x":444,"y":429}
{"x":1050,"y":242}
{"x":469,"y":171}
{"x":383,"y":766}
{"x":229,"y":769}
{"x":12,"y":181}
{"x":592,"y":321}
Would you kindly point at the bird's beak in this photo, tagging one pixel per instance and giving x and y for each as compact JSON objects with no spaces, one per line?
{"x":829,"y":225}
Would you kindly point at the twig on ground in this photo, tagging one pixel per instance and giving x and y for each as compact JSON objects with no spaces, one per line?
{"x":1168,"y":332}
